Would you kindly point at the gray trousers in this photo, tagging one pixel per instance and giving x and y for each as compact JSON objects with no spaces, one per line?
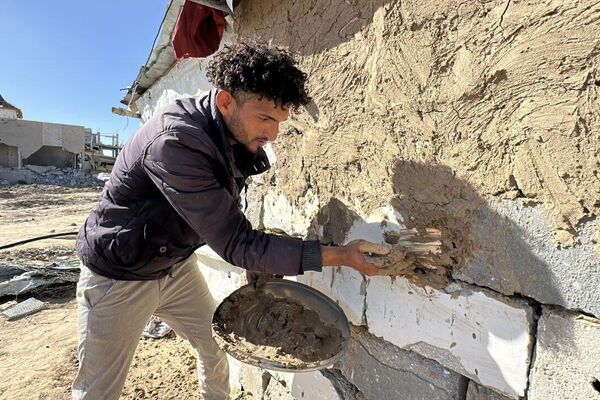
{"x":112,"y":314}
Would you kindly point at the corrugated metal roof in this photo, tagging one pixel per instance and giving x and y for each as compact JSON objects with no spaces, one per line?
{"x":162,"y":57}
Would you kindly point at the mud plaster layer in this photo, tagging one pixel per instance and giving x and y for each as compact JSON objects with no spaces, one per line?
{"x":254,"y":324}
{"x":476,"y":99}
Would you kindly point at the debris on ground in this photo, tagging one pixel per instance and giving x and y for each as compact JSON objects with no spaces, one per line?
{"x":48,"y":175}
{"x":47,"y":341}
{"x":7,"y":305}
{"x":15,"y":281}
{"x":24,"y":308}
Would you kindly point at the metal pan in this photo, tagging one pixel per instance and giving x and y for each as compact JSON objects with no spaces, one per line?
{"x":310,"y":298}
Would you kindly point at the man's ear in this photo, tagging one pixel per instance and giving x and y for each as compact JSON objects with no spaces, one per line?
{"x":225,"y":103}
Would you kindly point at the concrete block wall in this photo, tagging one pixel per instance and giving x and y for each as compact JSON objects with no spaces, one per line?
{"x":566,"y":362}
{"x":461,"y":342}
{"x":471,"y":331}
{"x":9,"y":156}
{"x":484,"y":336}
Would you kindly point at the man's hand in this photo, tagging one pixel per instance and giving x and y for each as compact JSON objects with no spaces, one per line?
{"x":353,"y":255}
{"x":259,"y":279}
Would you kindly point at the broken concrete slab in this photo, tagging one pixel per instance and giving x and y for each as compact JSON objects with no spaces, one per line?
{"x":8,"y":271}
{"x":17,"y":281}
{"x":478,"y":392}
{"x":7,"y":305}
{"x":40,"y":169}
{"x":276,"y":390}
{"x":254,"y":380}
{"x":516,"y":242}
{"x":474,"y":332}
{"x":381,"y":370}
{"x":344,"y":388}
{"x":566,"y":362}
{"x":264,"y":384}
{"x":27,"y":307}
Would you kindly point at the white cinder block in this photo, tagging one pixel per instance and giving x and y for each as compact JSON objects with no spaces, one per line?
{"x":235,"y":373}
{"x":371,"y":229}
{"x":344,"y":285}
{"x":471,"y":331}
{"x":222,"y":278}
{"x":281,"y":215}
{"x":313,"y":386}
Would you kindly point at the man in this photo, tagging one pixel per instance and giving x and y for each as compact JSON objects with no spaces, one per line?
{"x":175,"y":187}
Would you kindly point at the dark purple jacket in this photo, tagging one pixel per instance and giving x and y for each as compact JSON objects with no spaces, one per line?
{"x":176,"y":186}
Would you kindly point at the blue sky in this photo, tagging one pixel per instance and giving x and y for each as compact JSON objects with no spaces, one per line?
{"x":65,"y":61}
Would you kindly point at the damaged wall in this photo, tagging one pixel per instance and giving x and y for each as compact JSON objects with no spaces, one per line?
{"x":43,"y":143}
{"x":480,"y":119}
{"x":9,"y":156}
{"x":7,"y":113}
{"x":185,"y":79}
{"x":505,"y":94}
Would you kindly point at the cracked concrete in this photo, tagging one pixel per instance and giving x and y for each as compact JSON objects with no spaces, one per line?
{"x":567,"y":357}
{"x":473,"y":331}
{"x":383,"y":371}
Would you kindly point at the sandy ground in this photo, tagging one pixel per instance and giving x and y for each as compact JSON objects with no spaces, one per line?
{"x":38,"y":356}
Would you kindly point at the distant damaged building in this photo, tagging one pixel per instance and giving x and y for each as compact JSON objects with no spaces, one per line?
{"x":9,"y":111}
{"x":25,"y":142}
{"x":34,"y":143}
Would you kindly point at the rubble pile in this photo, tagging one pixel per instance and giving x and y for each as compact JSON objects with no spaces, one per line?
{"x":49,"y":175}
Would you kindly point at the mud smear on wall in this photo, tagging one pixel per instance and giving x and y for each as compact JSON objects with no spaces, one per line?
{"x":414,"y":255}
{"x":430,"y":196}
{"x":505,"y":94}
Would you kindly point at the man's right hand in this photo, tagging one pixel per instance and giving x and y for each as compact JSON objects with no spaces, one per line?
{"x":353,"y":255}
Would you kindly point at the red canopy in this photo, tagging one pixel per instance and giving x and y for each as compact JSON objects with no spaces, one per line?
{"x":198,"y":31}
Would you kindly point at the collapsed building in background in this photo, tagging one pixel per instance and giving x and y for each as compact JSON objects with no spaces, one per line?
{"x":479,"y":119}
{"x":34,"y":144}
{"x":8,"y":111}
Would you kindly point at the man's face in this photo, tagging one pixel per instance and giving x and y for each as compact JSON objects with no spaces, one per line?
{"x":253,"y":122}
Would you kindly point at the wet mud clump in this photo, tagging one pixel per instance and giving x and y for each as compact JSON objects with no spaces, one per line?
{"x":256,"y":325}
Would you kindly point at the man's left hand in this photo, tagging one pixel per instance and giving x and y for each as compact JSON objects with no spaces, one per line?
{"x":259,"y":279}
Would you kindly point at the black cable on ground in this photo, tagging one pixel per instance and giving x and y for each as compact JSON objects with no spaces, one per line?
{"x":53,"y":235}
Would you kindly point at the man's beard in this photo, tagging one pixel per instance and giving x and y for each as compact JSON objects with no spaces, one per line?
{"x":237,"y":130}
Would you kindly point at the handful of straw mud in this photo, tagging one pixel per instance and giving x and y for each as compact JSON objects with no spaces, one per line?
{"x":414,"y":254}
{"x":253,"y":324}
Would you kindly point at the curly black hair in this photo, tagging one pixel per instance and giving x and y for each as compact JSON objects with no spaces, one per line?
{"x":257,"y":67}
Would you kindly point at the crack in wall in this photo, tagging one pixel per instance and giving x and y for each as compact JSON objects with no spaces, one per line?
{"x":537,"y":314}
{"x":418,"y":377}
{"x":343,"y":387}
